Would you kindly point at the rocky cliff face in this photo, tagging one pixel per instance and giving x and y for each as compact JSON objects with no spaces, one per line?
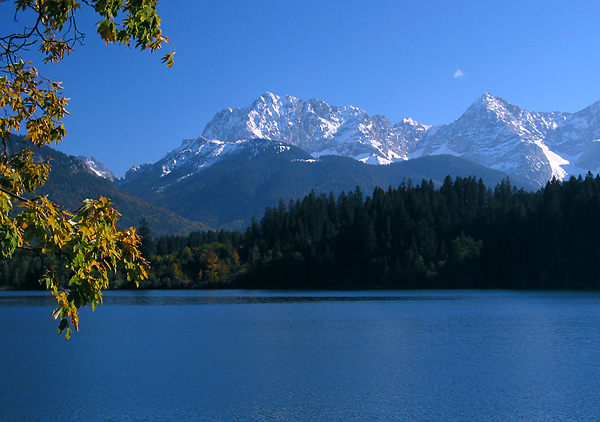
{"x":97,"y":168}
{"x":318,"y":128}
{"x":534,"y":146}
{"x":502,"y":136}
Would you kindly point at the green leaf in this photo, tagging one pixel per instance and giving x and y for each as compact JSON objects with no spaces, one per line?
{"x":63,"y":325}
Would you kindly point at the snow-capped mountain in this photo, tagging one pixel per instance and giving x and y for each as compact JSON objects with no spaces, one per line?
{"x":497,"y":134}
{"x":318,"y":128}
{"x":97,"y":167}
{"x":195,"y":155}
{"x":259,"y":173}
{"x":532,"y":146}
{"x":578,"y":140}
{"x":199,"y":153}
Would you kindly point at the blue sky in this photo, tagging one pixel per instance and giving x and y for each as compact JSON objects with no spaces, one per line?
{"x":423,"y":59}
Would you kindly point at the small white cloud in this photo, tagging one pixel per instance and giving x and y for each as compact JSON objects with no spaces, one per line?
{"x":459,"y":73}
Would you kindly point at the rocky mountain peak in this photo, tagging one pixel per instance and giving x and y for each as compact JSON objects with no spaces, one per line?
{"x":97,"y":168}
{"x":318,"y":128}
{"x":492,"y":132}
{"x":493,"y":110}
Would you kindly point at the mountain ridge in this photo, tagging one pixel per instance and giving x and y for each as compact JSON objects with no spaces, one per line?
{"x":492,"y":132}
{"x":260,"y":173}
{"x":71,"y":180}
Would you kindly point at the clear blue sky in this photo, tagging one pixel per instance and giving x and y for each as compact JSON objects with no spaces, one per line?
{"x":423,"y":59}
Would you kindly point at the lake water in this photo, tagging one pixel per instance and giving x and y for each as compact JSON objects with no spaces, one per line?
{"x":299,"y":356}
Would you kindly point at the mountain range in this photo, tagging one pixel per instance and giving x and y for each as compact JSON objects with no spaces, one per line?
{"x":532,"y":146}
{"x":278,"y":147}
{"x":258,"y":173}
{"x":71,"y":181}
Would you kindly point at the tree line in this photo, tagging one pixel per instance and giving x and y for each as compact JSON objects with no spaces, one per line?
{"x":460,"y":235}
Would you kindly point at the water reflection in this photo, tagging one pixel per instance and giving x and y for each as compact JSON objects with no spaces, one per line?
{"x":177,"y":298}
{"x":26,"y":299}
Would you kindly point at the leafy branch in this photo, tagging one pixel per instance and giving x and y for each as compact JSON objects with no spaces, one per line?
{"x":88,"y":241}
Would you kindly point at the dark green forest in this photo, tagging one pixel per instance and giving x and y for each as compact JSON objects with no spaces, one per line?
{"x":460,"y":235}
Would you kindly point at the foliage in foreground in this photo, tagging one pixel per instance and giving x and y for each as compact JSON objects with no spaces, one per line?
{"x":86,"y":243}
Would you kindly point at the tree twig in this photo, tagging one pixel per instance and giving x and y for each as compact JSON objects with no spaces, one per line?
{"x":14,"y":195}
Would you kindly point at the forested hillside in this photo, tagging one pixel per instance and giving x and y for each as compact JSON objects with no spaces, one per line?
{"x":461,"y":235}
{"x":71,"y":182}
{"x":227,"y":194}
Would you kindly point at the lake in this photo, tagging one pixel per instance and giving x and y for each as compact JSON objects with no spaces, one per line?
{"x":302,"y":356}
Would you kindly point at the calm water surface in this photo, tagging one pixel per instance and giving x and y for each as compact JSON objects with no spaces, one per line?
{"x":334,"y":356}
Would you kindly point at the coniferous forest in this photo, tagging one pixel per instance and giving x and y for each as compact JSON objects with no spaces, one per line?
{"x":460,"y":235}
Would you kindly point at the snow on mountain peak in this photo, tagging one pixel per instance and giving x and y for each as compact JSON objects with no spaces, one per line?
{"x":97,"y":168}
{"x":412,"y":122}
{"x":493,"y":108}
{"x":316,"y":126}
{"x":492,"y":132}
{"x":503,"y":136}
